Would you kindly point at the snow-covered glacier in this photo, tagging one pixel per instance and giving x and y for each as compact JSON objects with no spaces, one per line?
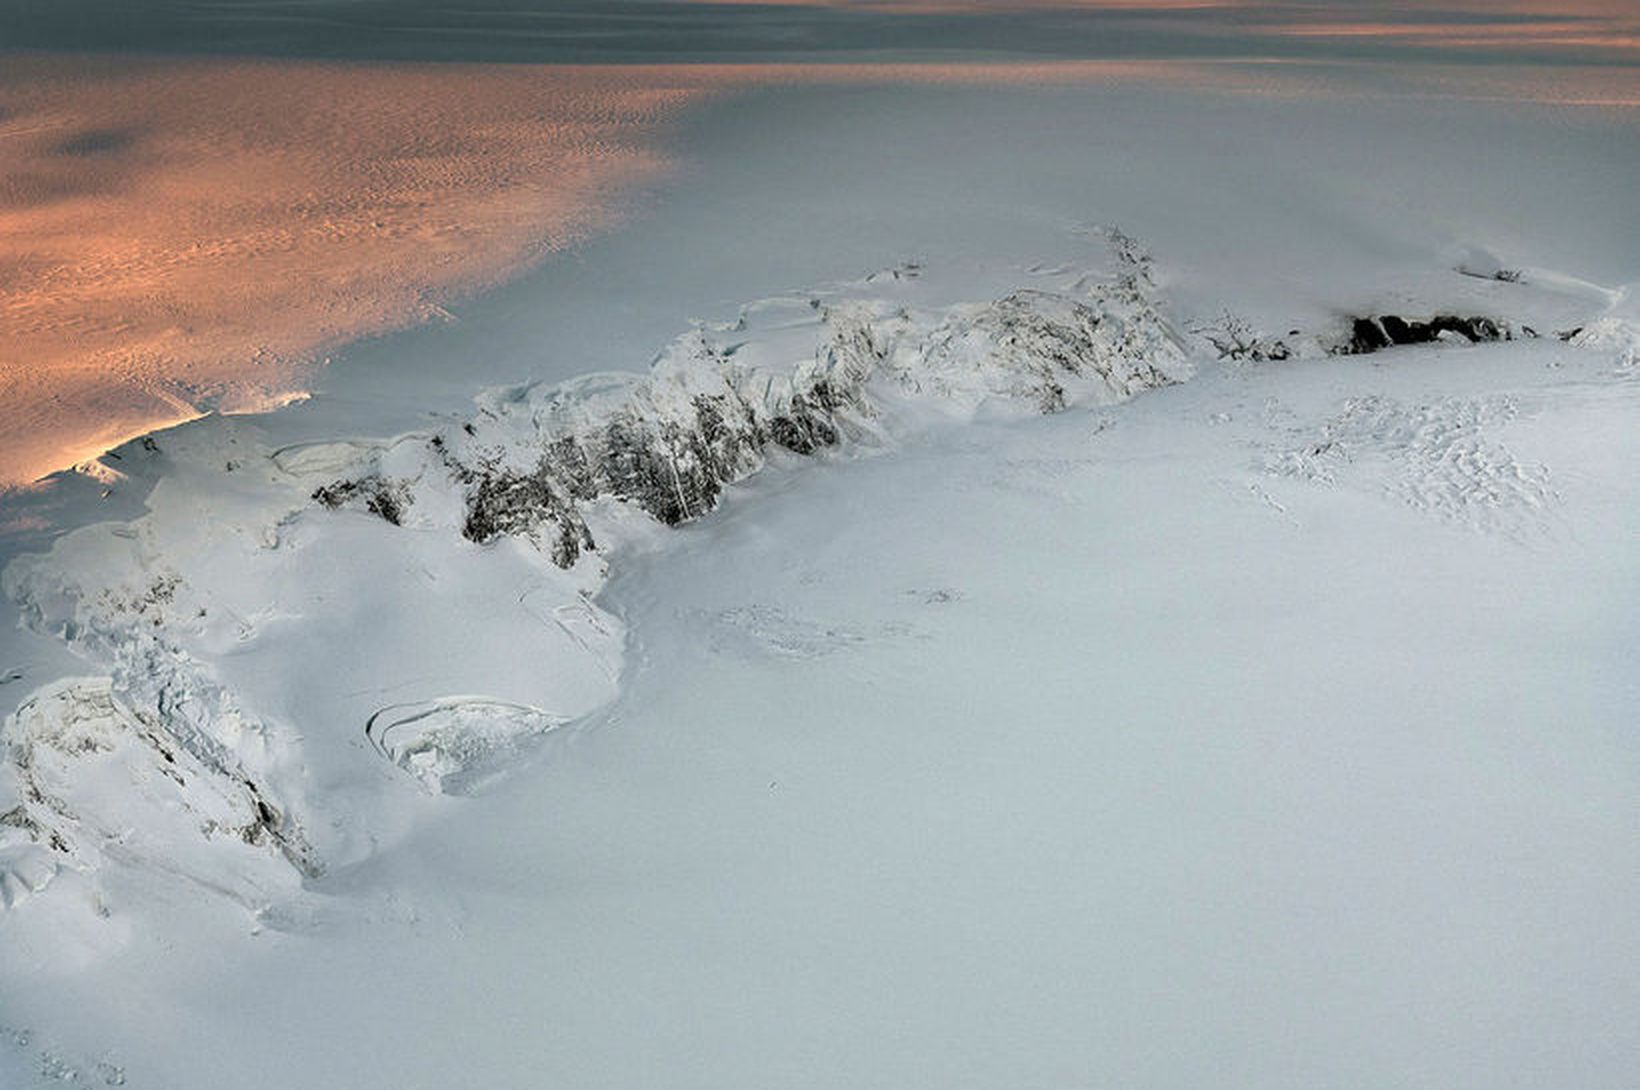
{"x":245,"y":547}
{"x":958,"y":673}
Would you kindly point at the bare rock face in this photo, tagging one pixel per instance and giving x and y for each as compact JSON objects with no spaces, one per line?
{"x":383,"y":498}
{"x":508,"y":502}
{"x":667,"y":446}
{"x":794,"y":377}
{"x":702,"y":419}
{"x":1372,"y":334}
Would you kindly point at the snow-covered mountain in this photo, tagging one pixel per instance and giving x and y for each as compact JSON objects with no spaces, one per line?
{"x":164,"y":762}
{"x":1031,"y":665}
{"x":1305,"y":581}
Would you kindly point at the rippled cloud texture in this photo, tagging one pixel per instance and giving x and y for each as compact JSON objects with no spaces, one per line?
{"x":183,"y":234}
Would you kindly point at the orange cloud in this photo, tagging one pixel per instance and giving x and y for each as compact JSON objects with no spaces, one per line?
{"x":182,"y":235}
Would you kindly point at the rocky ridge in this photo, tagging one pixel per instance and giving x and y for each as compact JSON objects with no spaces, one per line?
{"x":862,"y":366}
{"x":794,"y":377}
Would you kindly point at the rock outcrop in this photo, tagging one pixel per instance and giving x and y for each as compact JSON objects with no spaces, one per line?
{"x":787,"y":378}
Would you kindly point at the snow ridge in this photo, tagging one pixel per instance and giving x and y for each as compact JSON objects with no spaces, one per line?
{"x":795,"y":376}
{"x":178,"y":736}
{"x":100,"y":781}
{"x":169,"y":747}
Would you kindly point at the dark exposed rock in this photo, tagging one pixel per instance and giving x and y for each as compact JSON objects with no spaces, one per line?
{"x":1366,"y":335}
{"x":1372,"y":334}
{"x":18,"y":818}
{"x":673,"y":463}
{"x":574,"y":471}
{"x":382,"y":498}
{"x":384,"y":504}
{"x":524,"y":503}
{"x":335,"y":494}
{"x":709,"y":414}
{"x":805,"y":429}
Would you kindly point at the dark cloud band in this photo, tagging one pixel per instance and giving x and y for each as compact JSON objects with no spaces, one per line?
{"x":592,"y":31}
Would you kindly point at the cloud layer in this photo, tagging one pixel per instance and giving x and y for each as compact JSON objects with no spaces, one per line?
{"x":1575,"y":31}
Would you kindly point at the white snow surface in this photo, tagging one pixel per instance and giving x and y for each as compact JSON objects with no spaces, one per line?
{"x":1093,"y":711}
{"x":492,"y":645}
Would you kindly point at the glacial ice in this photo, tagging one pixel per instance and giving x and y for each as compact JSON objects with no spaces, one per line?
{"x":508,"y":519}
{"x":568,"y":471}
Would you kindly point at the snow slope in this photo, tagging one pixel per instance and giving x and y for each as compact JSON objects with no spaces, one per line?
{"x":485,"y":639}
{"x":1272,"y":728}
{"x":1279,"y":716}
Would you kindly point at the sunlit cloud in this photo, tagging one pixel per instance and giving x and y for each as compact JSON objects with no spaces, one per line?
{"x":191,"y":235}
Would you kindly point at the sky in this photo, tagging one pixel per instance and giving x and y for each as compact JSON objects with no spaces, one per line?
{"x":1496,"y":31}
